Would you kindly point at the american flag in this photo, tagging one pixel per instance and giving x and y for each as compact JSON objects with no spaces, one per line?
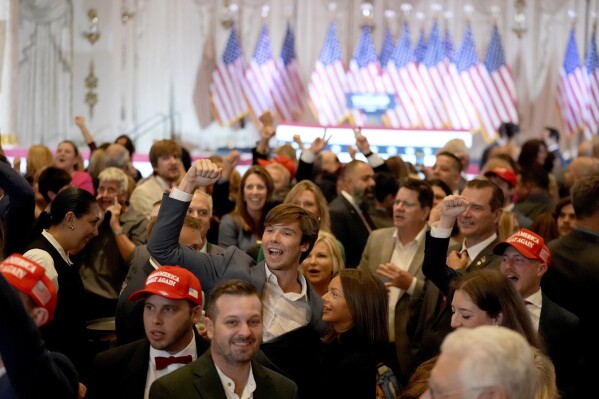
{"x":258,"y":85}
{"x":364,"y":74}
{"x":386,"y":48}
{"x":401,"y":72}
{"x":420,"y":50}
{"x":499,"y":81}
{"x":289,"y":90}
{"x":470,"y":71}
{"x":226,"y":93}
{"x":458,"y":96}
{"x":432,"y":71}
{"x":591,"y":68}
{"x":571,"y":89}
{"x":328,"y":85}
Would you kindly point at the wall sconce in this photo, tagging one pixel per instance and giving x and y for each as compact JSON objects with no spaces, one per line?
{"x":367,"y":8}
{"x":230,"y":10}
{"x":93,"y":34}
{"x":519,"y":27}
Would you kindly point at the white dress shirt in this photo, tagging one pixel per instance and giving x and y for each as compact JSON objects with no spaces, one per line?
{"x":402,"y":257}
{"x":154,"y":374}
{"x":44,"y":259}
{"x":229,"y":385}
{"x":534,"y":304}
{"x":283,"y":311}
{"x":473,"y":251}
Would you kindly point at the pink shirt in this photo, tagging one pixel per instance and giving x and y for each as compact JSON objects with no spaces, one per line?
{"x":84,"y":181}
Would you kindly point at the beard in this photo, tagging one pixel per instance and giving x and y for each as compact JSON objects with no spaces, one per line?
{"x":364,"y":198}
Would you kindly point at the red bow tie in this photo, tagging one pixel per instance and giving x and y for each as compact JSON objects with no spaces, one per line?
{"x":164,"y":362}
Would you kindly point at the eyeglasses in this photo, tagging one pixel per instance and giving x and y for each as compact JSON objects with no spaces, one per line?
{"x":436,"y":394}
{"x":405,"y":204}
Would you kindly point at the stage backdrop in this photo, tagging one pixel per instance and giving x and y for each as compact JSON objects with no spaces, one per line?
{"x":147,"y":66}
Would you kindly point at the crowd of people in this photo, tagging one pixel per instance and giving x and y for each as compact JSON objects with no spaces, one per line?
{"x":302,"y":277}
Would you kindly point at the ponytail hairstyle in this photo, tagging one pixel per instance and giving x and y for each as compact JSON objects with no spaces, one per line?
{"x":72,"y":199}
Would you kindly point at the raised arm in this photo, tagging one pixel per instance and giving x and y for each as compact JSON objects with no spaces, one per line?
{"x":435,"y":266}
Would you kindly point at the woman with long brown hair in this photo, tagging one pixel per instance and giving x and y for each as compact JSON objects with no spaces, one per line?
{"x":355,"y":307}
{"x":244,"y":226}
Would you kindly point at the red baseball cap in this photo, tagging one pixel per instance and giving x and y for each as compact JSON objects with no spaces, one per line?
{"x":172,"y":282}
{"x":283,"y":160}
{"x":30,"y":278}
{"x":504,"y":174}
{"x":528,"y":243}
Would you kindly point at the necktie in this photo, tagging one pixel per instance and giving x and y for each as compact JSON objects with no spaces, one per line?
{"x":164,"y":362}
{"x":468,"y":260}
{"x":369,"y":222}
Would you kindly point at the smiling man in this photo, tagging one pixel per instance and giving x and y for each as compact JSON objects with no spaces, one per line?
{"x":104,"y":260}
{"x":292,"y":309}
{"x":525,"y":260}
{"x":234,"y":326}
{"x":173,"y":305}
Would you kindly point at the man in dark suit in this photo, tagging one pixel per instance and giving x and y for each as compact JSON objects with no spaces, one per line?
{"x":129,"y":320}
{"x":292,"y":309}
{"x":477,"y":213}
{"x":172,"y":306}
{"x":28,"y":300}
{"x":572,"y":281}
{"x":525,"y":259}
{"x":396,"y":253}
{"x":234,"y":326}
{"x":350,"y":222}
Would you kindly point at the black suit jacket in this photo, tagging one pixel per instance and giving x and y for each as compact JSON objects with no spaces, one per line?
{"x":349,"y":228}
{"x":31,"y":370}
{"x":560,"y":331}
{"x":572,"y":281}
{"x":121,"y":372}
{"x":200,"y":380}
{"x":433,"y":322}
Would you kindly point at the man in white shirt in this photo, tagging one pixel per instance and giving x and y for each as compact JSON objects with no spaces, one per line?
{"x":234,"y":326}
{"x":396,"y":253}
{"x":165,"y":157}
{"x":292,"y":309}
{"x":173,"y":305}
{"x":525,"y":259}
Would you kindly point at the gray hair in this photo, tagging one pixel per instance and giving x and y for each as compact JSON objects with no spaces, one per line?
{"x":207,"y":197}
{"x":117,"y":175}
{"x":493,"y":356}
{"x":116,"y":155}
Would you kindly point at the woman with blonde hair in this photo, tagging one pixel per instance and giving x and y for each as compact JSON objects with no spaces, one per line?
{"x":323,"y":263}
{"x":38,"y":157}
{"x":309,"y":196}
{"x":546,"y":382}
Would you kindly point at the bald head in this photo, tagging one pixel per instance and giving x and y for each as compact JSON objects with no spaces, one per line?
{"x":581,"y":167}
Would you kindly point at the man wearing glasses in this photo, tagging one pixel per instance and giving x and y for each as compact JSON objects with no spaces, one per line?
{"x":396,"y":253}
